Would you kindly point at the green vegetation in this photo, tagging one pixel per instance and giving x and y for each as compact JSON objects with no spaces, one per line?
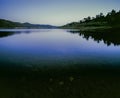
{"x":100,"y":22}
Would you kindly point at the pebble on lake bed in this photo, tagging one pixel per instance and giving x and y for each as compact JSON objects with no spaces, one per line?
{"x":71,"y":79}
{"x":51,"y":89}
{"x":51,"y":80}
{"x":61,"y":83}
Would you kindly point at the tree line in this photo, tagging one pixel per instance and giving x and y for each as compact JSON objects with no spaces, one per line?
{"x":111,"y":19}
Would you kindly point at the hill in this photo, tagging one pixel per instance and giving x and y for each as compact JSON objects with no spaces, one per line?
{"x":10,"y":24}
{"x":101,"y":22}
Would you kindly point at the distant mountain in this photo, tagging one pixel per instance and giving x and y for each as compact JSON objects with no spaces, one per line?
{"x":39,"y":26}
{"x":10,"y":24}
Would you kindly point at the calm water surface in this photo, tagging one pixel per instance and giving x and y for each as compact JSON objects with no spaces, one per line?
{"x":54,"y":47}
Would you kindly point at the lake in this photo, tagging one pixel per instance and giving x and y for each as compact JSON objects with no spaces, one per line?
{"x":54,"y":47}
{"x":55,"y":63}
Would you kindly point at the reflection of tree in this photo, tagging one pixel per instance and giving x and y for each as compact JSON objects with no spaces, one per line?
{"x":108,"y":37}
{"x":5,"y":34}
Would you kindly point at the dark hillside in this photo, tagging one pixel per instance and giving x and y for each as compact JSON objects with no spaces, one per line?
{"x":111,"y":20}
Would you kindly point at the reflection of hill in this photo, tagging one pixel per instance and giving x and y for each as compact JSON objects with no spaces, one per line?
{"x":9,"y":33}
{"x":108,"y":37}
{"x":5,"y":34}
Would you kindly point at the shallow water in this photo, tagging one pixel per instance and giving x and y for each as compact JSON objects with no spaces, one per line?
{"x":54,"y":47}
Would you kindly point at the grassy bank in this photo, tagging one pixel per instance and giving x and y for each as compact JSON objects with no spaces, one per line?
{"x":93,"y":28}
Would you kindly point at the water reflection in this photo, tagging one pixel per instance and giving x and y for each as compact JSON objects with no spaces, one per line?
{"x":56,"y":47}
{"x":6,"y":34}
{"x":108,"y":37}
{"x":10,"y":33}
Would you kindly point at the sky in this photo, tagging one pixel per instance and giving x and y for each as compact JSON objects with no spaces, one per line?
{"x":54,"y":12}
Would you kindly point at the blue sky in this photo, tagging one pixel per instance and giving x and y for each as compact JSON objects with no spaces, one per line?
{"x":55,"y":12}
